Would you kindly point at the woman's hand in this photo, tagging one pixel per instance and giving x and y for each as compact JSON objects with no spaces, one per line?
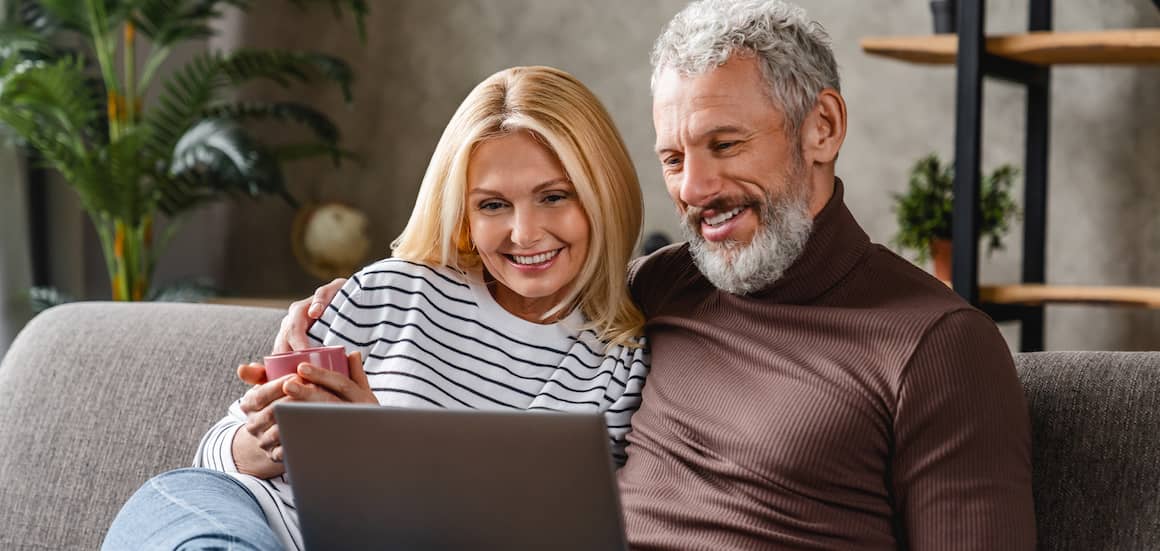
{"x":257,"y":446}
{"x":314,"y":384}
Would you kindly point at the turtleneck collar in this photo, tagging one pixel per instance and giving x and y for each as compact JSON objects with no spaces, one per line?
{"x":836,"y":244}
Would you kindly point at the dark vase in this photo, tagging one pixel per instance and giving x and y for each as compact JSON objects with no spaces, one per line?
{"x":944,"y":15}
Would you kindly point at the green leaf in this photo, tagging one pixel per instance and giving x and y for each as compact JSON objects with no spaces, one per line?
{"x":170,"y":22}
{"x":323,"y":128}
{"x":218,"y":157}
{"x":191,"y":91}
{"x":43,"y":298}
{"x":20,"y":41}
{"x":50,"y":106}
{"x":925,"y":212}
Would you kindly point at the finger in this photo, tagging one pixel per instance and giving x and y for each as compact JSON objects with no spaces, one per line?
{"x":252,"y":373}
{"x":270,"y":439}
{"x":354,"y":364}
{"x":294,"y":312}
{"x":260,"y":422}
{"x":276,"y":455}
{"x":303,"y":391}
{"x":295,"y":325}
{"x":324,"y":295}
{"x":261,"y":396}
{"x":334,"y":382}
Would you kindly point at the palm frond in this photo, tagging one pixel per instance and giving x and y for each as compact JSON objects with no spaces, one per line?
{"x":43,"y":298}
{"x":125,"y":175}
{"x":192,"y":89}
{"x":17,"y":40}
{"x":294,"y":112}
{"x":186,"y":95}
{"x":217,"y":158}
{"x":283,"y":66}
{"x":50,"y":105}
{"x":66,"y":14}
{"x":169,"y":22}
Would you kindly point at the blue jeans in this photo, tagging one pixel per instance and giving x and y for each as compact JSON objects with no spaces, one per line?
{"x":191,"y":510}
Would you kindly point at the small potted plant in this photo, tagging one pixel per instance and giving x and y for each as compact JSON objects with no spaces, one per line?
{"x":925,"y":211}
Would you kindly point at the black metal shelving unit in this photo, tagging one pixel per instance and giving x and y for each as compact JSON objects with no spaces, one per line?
{"x":973,"y":64}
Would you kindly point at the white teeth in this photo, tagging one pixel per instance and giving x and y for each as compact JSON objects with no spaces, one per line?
{"x":715,"y":220}
{"x":536,"y":259}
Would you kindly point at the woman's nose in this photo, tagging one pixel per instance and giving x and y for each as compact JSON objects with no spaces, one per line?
{"x":527,"y":228}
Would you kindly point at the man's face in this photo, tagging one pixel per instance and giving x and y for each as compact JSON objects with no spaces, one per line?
{"x":736,"y":178}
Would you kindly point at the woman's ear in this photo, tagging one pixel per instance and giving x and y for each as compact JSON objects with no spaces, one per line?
{"x":824,"y":128}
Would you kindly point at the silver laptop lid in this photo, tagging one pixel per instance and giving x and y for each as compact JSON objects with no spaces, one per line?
{"x":369,"y":477}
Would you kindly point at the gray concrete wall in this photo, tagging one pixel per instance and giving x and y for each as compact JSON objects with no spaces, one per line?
{"x":423,"y":56}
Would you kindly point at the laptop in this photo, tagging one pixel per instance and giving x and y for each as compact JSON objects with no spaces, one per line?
{"x":370,"y":477}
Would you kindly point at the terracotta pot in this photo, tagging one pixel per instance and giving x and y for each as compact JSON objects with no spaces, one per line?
{"x":940,"y":252}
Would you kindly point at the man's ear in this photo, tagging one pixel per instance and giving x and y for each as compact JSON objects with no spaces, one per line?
{"x":824,"y":128}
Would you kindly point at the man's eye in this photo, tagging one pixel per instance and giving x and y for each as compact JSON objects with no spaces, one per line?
{"x":722,"y":146}
{"x":672,"y":161}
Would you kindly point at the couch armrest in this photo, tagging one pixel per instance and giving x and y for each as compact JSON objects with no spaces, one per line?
{"x":1095,"y":424}
{"x":97,"y":397}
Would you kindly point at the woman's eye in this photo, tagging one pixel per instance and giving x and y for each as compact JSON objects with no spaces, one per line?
{"x":491,"y":205}
{"x":555,"y":197}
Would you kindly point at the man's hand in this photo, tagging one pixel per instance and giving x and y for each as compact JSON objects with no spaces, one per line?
{"x":300,"y":316}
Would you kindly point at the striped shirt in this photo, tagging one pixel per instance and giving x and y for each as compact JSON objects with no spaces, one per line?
{"x":436,"y":338}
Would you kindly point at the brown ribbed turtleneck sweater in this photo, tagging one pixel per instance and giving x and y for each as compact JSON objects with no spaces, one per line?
{"x":857,"y":403}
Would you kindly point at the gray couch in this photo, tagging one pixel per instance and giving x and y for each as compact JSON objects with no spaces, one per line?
{"x":97,"y":397}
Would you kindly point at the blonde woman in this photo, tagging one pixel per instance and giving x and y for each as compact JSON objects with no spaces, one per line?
{"x":506,"y":290}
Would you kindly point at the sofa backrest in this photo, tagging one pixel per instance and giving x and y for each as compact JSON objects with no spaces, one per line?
{"x":1095,"y":422}
{"x":97,"y":397}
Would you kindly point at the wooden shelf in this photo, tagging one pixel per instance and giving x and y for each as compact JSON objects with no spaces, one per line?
{"x":1127,"y":46}
{"x":1034,"y":295}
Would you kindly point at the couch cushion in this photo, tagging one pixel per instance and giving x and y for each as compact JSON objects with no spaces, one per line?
{"x":1095,"y":421}
{"x":97,"y":397}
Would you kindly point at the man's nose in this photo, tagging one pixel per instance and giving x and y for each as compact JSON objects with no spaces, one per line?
{"x":527,"y":227}
{"x":700,"y":181}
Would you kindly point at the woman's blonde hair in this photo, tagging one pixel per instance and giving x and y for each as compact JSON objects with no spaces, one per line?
{"x":566,"y":117}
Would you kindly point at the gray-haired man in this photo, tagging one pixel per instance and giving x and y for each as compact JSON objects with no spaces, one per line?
{"x":809,"y":389}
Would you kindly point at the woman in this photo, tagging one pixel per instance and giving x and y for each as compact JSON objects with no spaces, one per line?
{"x":506,"y":291}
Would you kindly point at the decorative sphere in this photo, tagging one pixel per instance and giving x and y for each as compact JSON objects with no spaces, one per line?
{"x":331,"y":239}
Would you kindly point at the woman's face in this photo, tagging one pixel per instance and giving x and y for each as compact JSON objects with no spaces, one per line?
{"x":526,"y":222}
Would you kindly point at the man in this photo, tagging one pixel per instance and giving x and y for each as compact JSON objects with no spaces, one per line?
{"x":809,"y":389}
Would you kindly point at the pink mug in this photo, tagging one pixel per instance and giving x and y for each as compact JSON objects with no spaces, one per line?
{"x":325,"y":357}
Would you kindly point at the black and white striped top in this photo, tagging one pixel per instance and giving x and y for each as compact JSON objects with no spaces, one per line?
{"x":435,"y":338}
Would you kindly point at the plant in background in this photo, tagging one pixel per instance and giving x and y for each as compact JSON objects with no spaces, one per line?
{"x":79,"y":84}
{"x":925,"y":210}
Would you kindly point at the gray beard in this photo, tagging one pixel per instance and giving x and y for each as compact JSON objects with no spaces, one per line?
{"x":741,"y":269}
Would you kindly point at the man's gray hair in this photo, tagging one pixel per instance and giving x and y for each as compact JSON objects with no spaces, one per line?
{"x":793,"y":51}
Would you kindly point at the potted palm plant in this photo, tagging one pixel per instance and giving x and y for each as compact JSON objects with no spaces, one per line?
{"x":925,"y":211}
{"x":79,"y":84}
